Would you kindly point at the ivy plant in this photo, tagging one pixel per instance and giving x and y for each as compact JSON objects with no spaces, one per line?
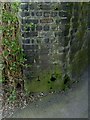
{"x":13,"y":55}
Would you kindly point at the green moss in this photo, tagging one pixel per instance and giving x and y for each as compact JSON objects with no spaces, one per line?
{"x":44,"y":84}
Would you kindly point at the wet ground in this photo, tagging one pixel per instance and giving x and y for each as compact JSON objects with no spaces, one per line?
{"x":70,"y":104}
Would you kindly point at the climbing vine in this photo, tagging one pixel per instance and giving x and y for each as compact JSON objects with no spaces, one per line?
{"x":13,"y":56}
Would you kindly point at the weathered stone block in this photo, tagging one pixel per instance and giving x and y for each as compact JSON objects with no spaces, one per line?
{"x":46,"y":34}
{"x":23,"y":28}
{"x":38,"y":40}
{"x":24,"y":14}
{"x":46,"y":20}
{"x":32,"y":41}
{"x":30,"y":34}
{"x":54,"y":14}
{"x":38,"y":13}
{"x":63,"y":14}
{"x":30,"y":59}
{"x":46,"y":27}
{"x":54,"y":27}
{"x":30,"y":47}
{"x":64,"y":6}
{"x":35,"y":21}
{"x":26,"y":47}
{"x":26,"y":41}
{"x":38,"y":28}
{"x":24,"y":6}
{"x":46,"y":14}
{"x":32,"y":13}
{"x":45,"y":7}
{"x":56,"y":6}
{"x":28,"y":21}
{"x":64,"y":21}
{"x":24,"y":21}
{"x":58,"y":33}
{"x":31,"y":7}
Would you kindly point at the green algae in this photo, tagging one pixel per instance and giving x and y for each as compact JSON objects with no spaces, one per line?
{"x":44,"y":84}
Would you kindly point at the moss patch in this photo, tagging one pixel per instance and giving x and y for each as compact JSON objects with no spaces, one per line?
{"x":44,"y":84}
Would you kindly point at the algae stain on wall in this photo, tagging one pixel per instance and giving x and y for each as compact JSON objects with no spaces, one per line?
{"x":46,"y":81}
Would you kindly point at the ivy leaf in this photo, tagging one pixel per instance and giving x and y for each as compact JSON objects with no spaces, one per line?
{"x":6,"y":53}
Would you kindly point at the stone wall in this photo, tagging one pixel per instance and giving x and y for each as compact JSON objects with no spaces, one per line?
{"x":41,"y":32}
{"x":54,"y":37}
{"x":78,"y":39}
